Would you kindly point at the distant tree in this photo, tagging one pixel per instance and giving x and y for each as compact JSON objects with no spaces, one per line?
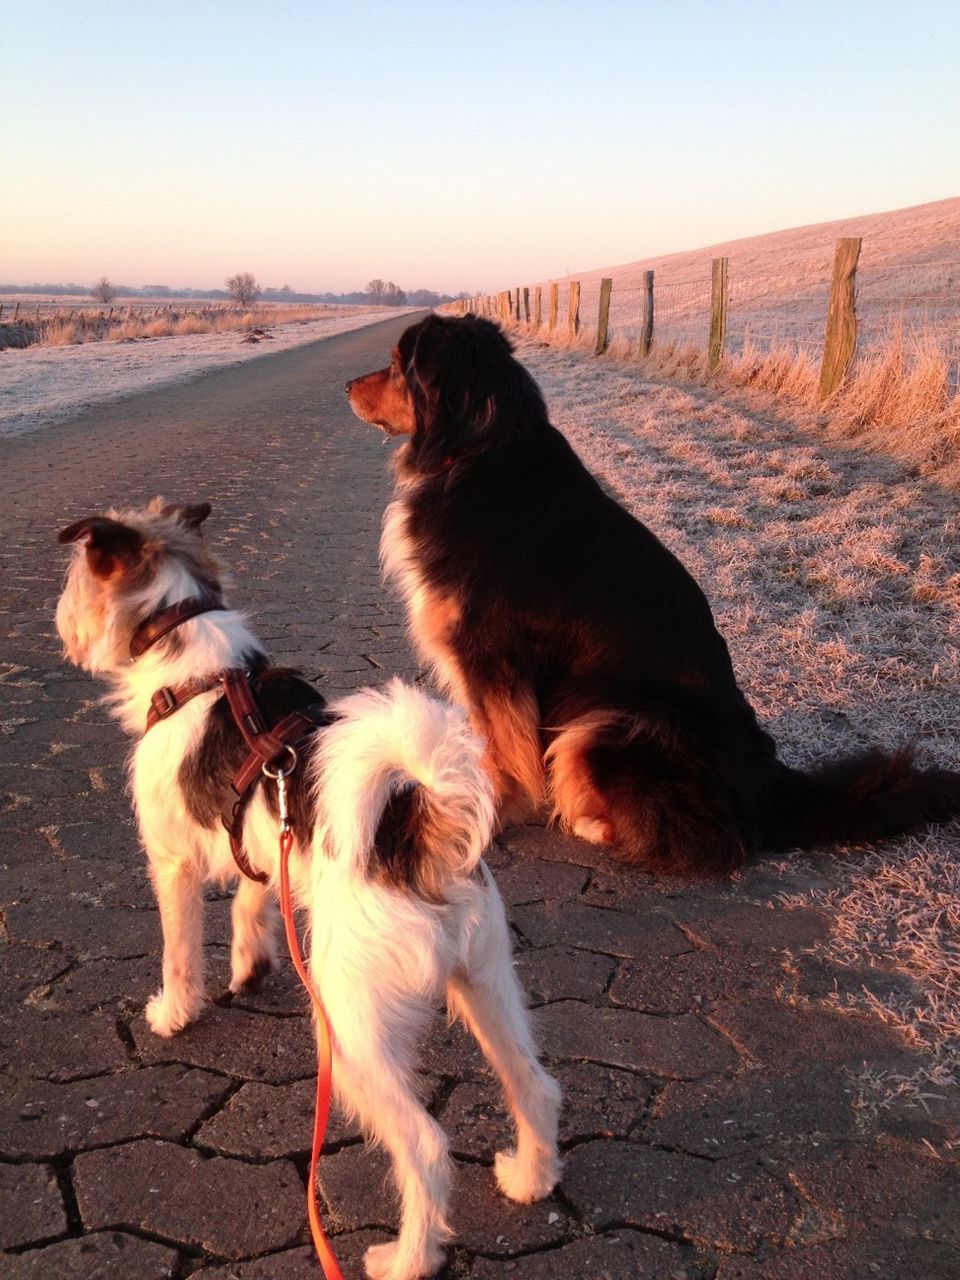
{"x":103,"y":291}
{"x":393,"y":295}
{"x":243,"y":288}
{"x":375,"y":289}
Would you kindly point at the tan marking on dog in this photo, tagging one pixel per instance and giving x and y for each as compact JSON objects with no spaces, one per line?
{"x":433,"y":620}
{"x":514,"y":758}
{"x":577,"y":803}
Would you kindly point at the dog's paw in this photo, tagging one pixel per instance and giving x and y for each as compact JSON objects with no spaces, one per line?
{"x":392,"y":1262}
{"x":166,"y":1016}
{"x":596,"y":830}
{"x":526,"y":1180}
{"x":253,"y":955}
{"x":251,"y":977}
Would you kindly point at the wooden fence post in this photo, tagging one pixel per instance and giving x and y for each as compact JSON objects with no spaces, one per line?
{"x":840,"y":343}
{"x":646,"y":335}
{"x":537,"y":307}
{"x":573,"y":313}
{"x":554,"y":307}
{"x":516,"y":298}
{"x":606,"y":288}
{"x":718,"y":312}
{"x":526,"y":304}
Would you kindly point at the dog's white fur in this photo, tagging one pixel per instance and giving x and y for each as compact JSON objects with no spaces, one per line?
{"x":381,"y":957}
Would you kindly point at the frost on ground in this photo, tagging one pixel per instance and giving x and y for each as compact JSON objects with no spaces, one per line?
{"x":835,"y":577}
{"x":40,"y":385}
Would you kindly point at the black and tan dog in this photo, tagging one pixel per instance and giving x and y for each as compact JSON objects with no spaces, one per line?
{"x":586,"y":653}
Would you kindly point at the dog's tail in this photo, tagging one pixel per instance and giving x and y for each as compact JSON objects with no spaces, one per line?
{"x":401,"y":790}
{"x":857,"y":800}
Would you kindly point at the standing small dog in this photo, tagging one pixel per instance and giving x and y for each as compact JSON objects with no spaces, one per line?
{"x":390,"y":821}
{"x":585,"y":651}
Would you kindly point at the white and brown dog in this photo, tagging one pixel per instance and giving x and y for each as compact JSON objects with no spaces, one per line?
{"x":391,"y":813}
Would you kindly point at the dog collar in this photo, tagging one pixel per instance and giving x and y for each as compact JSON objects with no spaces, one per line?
{"x":165,"y":620}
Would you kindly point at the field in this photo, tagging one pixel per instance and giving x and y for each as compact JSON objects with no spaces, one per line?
{"x":779,"y":284}
{"x":45,"y":383}
{"x":902,"y":393}
{"x":46,"y":320}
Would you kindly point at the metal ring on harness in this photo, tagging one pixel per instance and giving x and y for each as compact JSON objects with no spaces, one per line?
{"x":278,"y":773}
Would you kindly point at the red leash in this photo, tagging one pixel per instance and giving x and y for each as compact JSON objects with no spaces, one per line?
{"x":328,"y":1262}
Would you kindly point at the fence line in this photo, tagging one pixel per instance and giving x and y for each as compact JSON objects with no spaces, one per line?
{"x":806,"y":308}
{"x":56,"y":323}
{"x":13,"y":311}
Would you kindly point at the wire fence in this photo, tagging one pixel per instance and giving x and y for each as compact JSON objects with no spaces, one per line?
{"x":921,"y":302}
{"x":916,"y":305}
{"x":19,"y":311}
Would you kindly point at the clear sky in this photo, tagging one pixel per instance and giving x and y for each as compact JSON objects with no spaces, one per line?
{"x":454,"y":145}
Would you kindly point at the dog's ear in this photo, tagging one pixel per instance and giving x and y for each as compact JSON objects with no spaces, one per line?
{"x":111,"y":545}
{"x":455,"y":370}
{"x":191,"y":515}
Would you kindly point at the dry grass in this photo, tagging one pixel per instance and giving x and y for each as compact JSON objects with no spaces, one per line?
{"x":61,"y":333}
{"x":94,"y":326}
{"x":190,"y":324}
{"x":897,"y":399}
{"x":780,"y":369}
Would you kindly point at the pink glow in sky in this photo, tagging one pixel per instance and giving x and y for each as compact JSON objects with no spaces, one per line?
{"x":453,"y":146}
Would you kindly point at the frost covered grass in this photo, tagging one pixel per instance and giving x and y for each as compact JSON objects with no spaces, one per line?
{"x":901,"y":910}
{"x":900,"y":398}
{"x":834,"y":575}
{"x":902,"y":395}
{"x":43,"y":384}
{"x":99,"y":325}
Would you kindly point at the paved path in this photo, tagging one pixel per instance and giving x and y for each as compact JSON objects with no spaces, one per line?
{"x":718,"y":1119}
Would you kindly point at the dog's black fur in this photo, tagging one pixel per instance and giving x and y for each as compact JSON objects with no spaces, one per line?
{"x":207,"y":772}
{"x":564,"y":596}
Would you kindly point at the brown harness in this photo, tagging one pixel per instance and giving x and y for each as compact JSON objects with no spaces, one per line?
{"x":267,"y":745}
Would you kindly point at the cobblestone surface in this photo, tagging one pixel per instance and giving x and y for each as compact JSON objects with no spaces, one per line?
{"x":716,"y":1123}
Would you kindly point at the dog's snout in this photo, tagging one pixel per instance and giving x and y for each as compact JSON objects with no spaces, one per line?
{"x":347,"y":385}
